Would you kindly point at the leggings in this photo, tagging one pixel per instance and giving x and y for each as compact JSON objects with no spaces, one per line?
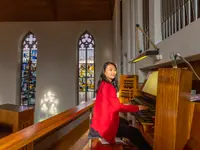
{"x":133,"y":134}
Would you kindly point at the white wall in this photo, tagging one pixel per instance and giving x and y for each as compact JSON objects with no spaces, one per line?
{"x":57,"y":58}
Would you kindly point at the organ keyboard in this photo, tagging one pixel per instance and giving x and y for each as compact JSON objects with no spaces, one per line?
{"x":145,"y":116}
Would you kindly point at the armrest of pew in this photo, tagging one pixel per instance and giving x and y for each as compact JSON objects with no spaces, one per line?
{"x":51,"y":133}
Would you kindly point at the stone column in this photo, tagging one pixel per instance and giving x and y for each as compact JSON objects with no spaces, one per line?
{"x":139,"y":20}
{"x":132,"y":32}
{"x":155,"y":21}
{"x":126,"y":36}
{"x":139,"y":43}
{"x":116,"y":36}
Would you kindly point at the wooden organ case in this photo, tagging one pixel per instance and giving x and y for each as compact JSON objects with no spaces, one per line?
{"x":169,"y":123}
{"x":147,"y":96}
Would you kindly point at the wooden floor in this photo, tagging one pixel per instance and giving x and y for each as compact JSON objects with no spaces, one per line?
{"x":81,"y":143}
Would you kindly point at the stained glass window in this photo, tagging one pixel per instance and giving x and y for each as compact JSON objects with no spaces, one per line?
{"x":86,"y":67}
{"x":28,"y":72}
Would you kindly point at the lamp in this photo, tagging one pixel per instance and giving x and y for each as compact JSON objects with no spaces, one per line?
{"x":146,"y":53}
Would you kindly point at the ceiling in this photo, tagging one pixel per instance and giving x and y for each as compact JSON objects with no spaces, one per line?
{"x":55,"y":10}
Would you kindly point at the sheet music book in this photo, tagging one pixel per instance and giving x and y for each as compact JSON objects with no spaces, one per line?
{"x":117,"y":140}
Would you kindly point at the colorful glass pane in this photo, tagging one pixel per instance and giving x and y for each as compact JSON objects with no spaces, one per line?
{"x":90,"y":95}
{"x":82,"y":97}
{"x":86,"y":66}
{"x":86,"y":41}
{"x":82,"y":56}
{"x":82,"y":84}
{"x":28,"y":77}
{"x":90,"y":84}
{"x":90,"y":70}
{"x":82,"y":70}
{"x":26,"y":56}
{"x":90,"y":56}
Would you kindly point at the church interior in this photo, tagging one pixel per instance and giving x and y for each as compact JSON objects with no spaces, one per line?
{"x":56,"y":51}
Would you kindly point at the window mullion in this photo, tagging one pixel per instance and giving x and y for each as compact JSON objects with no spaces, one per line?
{"x":86,"y":90}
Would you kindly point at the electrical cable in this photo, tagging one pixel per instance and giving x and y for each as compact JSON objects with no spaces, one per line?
{"x":187,"y":62}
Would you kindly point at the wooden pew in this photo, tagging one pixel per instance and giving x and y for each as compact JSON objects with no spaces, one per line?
{"x":14,"y":118}
{"x":58,"y":132}
{"x":5,"y":130}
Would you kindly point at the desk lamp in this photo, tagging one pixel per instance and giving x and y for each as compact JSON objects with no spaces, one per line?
{"x":146,"y":53}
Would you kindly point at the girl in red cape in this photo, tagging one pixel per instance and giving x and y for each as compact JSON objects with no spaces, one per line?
{"x":105,"y":120}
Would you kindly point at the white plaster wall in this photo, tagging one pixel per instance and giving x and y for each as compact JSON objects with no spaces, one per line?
{"x":57,"y":58}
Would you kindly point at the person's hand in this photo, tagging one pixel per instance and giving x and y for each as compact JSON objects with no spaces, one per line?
{"x":142,"y":107}
{"x":117,"y":94}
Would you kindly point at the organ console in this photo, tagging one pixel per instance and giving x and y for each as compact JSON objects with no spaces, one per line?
{"x":148,"y":98}
{"x":168,"y":124}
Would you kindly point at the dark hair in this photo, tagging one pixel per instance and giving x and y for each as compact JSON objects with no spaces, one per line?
{"x":104,"y":78}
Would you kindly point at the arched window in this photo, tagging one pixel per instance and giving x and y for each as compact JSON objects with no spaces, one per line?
{"x":28,"y":69}
{"x":86,"y":64}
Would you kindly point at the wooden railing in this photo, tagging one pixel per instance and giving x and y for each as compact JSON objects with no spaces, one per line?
{"x":45,"y":134}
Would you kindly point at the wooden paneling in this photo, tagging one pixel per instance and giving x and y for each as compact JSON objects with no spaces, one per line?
{"x":183,"y":111}
{"x":5,"y":130}
{"x":172,"y":109}
{"x":17,"y":117}
{"x":50,"y":140}
{"x":69,"y":141}
{"x":56,"y":10}
{"x":147,"y":132}
{"x":194,"y":139}
{"x":195,"y":82}
{"x":195,"y":65}
{"x":81,"y":143}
